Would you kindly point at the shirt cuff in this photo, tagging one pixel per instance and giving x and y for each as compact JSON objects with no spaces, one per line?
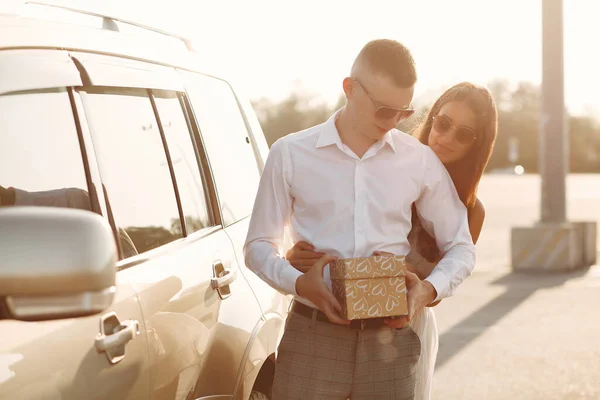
{"x":440,"y":282}
{"x":288,"y":277}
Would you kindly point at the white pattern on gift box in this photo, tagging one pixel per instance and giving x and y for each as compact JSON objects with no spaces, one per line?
{"x":398,"y":283}
{"x":379,"y":289}
{"x":394,"y":280}
{"x":386,"y":264}
{"x":363,"y":266}
{"x":391,"y":303}
{"x":361,"y":305}
{"x":351,"y":290}
{"x":375,"y":310}
{"x":364,"y":285}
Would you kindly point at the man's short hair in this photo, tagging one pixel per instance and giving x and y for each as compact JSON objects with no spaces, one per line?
{"x":388,"y":58}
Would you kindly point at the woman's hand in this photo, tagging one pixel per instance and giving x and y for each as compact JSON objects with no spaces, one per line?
{"x":303,"y":256}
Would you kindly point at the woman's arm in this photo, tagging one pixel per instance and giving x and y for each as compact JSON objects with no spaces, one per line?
{"x":476,"y":217}
{"x":302,"y":255}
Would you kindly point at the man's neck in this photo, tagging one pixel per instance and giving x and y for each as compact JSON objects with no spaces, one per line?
{"x":358,"y":143}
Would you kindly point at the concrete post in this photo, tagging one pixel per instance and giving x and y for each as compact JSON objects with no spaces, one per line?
{"x":553,"y":243}
{"x":553,"y":139}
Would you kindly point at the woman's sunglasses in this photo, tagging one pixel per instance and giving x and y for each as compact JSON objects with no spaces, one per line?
{"x":386,"y":112}
{"x":462,"y":134}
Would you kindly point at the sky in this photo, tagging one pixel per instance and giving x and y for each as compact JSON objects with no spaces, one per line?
{"x":274,"y":47}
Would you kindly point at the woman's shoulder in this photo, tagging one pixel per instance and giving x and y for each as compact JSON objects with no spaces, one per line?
{"x":477,"y":210}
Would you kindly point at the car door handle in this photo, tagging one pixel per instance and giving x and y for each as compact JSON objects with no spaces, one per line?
{"x":226,"y":278}
{"x":114,"y":335}
{"x":221,"y":279}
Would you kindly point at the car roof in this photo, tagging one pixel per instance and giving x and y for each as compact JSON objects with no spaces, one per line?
{"x":143,"y":43}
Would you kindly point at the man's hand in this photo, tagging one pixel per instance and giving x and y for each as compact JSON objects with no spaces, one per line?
{"x":303,"y":256}
{"x":312,"y":287}
{"x":420,"y":294}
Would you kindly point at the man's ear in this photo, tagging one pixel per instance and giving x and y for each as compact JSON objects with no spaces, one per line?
{"x":349,"y":87}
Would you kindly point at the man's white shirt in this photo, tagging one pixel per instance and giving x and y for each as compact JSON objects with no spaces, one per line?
{"x":350,"y":207}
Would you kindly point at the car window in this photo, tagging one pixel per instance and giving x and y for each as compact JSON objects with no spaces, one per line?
{"x":41,"y":162}
{"x":227,"y":144}
{"x":133,"y":166}
{"x":190,"y":185}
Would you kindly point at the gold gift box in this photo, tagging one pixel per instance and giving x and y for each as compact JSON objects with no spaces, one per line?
{"x":370,"y":287}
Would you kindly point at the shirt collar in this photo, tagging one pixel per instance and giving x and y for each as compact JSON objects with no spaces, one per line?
{"x":330,"y":135}
{"x":390,"y":140}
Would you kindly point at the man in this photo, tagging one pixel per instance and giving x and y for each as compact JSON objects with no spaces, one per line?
{"x":347,"y":186}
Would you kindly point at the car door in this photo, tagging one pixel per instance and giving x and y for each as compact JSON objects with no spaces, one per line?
{"x":236,"y":155}
{"x":199,"y":311}
{"x":44,"y":162}
{"x":235,"y":165}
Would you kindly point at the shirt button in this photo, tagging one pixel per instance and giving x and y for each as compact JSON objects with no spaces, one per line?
{"x":361,"y":231}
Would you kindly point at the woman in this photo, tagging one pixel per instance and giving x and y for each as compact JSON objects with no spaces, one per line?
{"x":461,"y":129}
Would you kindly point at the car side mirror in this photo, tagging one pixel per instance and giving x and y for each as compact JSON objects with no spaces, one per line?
{"x":55,"y":263}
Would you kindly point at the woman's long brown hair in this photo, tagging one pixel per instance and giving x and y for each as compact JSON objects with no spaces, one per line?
{"x":467,"y":172}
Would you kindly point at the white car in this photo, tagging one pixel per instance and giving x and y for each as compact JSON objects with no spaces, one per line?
{"x":127,"y":177}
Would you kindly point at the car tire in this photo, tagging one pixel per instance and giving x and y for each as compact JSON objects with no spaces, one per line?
{"x":258,"y":396}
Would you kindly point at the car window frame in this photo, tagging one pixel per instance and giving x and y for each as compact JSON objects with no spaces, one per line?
{"x":26,"y":76}
{"x":164,"y":82}
{"x":251,"y":134}
{"x":99,"y":90}
{"x":79,"y":132}
{"x":201,"y":158}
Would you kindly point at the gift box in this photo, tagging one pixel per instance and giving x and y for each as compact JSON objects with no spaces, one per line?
{"x":370,"y":287}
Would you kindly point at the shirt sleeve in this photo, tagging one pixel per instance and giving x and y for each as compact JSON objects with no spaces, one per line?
{"x":445,"y":217}
{"x":271,"y":213}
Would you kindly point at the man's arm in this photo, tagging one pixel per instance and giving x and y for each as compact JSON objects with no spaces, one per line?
{"x":445,"y":217}
{"x":272,"y":209}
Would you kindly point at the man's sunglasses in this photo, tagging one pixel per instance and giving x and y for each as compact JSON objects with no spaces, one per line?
{"x":386,"y":112}
{"x":462,"y":134}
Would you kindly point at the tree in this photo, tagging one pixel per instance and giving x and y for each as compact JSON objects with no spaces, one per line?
{"x":584,"y":144}
{"x":518,"y":122}
{"x":295,"y":113}
{"x":519,"y":119}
